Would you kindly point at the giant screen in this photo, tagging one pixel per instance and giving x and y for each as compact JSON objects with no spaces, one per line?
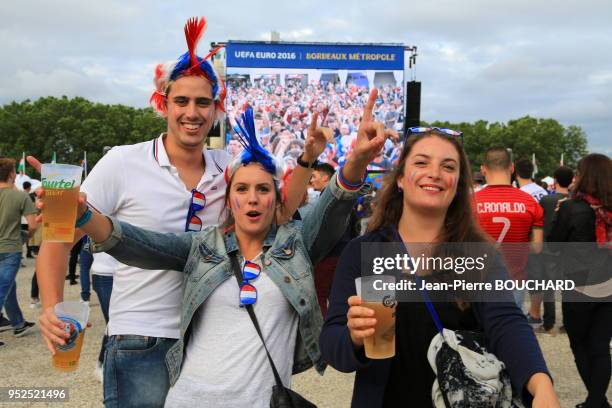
{"x":285,"y":83}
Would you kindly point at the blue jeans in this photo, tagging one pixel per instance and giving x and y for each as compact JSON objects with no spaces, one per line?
{"x":519,"y":298}
{"x":135,"y":373}
{"x":103,"y":286}
{"x":9,"y":266}
{"x":85,"y":259}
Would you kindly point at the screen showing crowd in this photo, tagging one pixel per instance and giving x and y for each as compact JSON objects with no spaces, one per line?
{"x":283,"y":104}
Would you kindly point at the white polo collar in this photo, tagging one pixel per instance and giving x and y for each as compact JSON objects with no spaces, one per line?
{"x":161,"y":157}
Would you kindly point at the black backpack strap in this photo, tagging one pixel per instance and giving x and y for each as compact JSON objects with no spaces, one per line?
{"x":249,"y":308}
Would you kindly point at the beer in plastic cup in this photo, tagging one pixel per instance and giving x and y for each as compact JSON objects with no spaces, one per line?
{"x":61,"y":183}
{"x":382,"y":343}
{"x":74,"y":315}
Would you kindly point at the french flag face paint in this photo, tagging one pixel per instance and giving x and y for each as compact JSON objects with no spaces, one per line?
{"x":237,"y":203}
{"x":453,"y":181}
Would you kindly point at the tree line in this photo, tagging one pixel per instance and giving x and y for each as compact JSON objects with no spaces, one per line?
{"x":70,"y":126}
{"x":546,"y":138}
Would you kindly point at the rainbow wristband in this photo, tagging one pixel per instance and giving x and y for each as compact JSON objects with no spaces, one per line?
{"x":84,"y":219}
{"x":345,"y":184}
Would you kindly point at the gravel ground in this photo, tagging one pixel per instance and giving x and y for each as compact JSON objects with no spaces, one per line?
{"x":26,"y":362}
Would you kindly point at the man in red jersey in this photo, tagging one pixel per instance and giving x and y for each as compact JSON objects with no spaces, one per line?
{"x":509,"y":215}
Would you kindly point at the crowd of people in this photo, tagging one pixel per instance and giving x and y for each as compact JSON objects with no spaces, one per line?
{"x":283,"y":113}
{"x":229,"y":274}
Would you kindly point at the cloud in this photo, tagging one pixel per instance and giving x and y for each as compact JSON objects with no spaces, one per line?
{"x":477,"y":59}
{"x":304,"y":34}
{"x":600,"y":78}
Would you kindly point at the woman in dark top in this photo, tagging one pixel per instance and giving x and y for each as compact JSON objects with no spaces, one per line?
{"x":587,"y":311}
{"x":425,"y":198}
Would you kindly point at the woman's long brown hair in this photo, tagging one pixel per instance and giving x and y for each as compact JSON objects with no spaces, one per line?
{"x":594,"y":177}
{"x":460,"y":223}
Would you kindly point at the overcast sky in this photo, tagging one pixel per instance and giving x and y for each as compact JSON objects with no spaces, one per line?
{"x":491,"y":60}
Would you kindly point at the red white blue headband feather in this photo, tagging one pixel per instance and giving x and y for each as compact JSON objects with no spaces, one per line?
{"x":253,"y":152}
{"x":189,"y":64}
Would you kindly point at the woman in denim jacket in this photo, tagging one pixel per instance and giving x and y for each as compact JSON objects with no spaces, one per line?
{"x":219,"y":359}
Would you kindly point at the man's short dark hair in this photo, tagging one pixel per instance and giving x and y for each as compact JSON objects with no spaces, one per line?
{"x":26,"y":185}
{"x":325,"y":168}
{"x":497,"y":158}
{"x":524,"y":168}
{"x":563,"y":176}
{"x":7,"y":166}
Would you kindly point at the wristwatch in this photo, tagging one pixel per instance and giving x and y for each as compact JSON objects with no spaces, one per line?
{"x":306,"y":164}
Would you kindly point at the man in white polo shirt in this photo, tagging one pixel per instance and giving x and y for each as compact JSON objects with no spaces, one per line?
{"x":151,"y":185}
{"x":168,"y":184}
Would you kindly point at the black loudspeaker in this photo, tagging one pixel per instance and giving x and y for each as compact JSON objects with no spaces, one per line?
{"x":413,"y":104}
{"x":215,"y":131}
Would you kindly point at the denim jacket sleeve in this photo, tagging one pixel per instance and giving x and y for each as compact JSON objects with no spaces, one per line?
{"x":146,"y":249}
{"x":332,"y":210}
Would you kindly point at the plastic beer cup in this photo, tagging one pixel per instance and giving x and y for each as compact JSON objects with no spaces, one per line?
{"x":74,"y":315}
{"x":376,"y":296}
{"x":61,"y":183}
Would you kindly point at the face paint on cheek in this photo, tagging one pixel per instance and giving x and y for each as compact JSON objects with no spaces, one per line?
{"x":412,"y":176}
{"x":237,"y":203}
{"x":269,"y":205}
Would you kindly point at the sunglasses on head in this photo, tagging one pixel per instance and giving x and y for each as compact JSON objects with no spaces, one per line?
{"x":198,"y":202}
{"x":419,"y":129}
{"x":248,"y":292}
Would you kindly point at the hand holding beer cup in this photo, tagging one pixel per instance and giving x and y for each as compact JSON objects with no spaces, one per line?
{"x":73,"y":316}
{"x":361,"y":321}
{"x":371,"y":316}
{"x":40,"y":204}
{"x":61,"y":183}
{"x":52,"y":329}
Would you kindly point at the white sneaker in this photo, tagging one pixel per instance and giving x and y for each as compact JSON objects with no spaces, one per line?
{"x":85,"y":302}
{"x":35,"y":304}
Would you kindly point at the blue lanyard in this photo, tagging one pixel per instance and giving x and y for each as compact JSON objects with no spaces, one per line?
{"x":423,"y":292}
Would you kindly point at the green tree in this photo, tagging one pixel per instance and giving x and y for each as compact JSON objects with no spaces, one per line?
{"x":69,"y":127}
{"x":546,"y":138}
